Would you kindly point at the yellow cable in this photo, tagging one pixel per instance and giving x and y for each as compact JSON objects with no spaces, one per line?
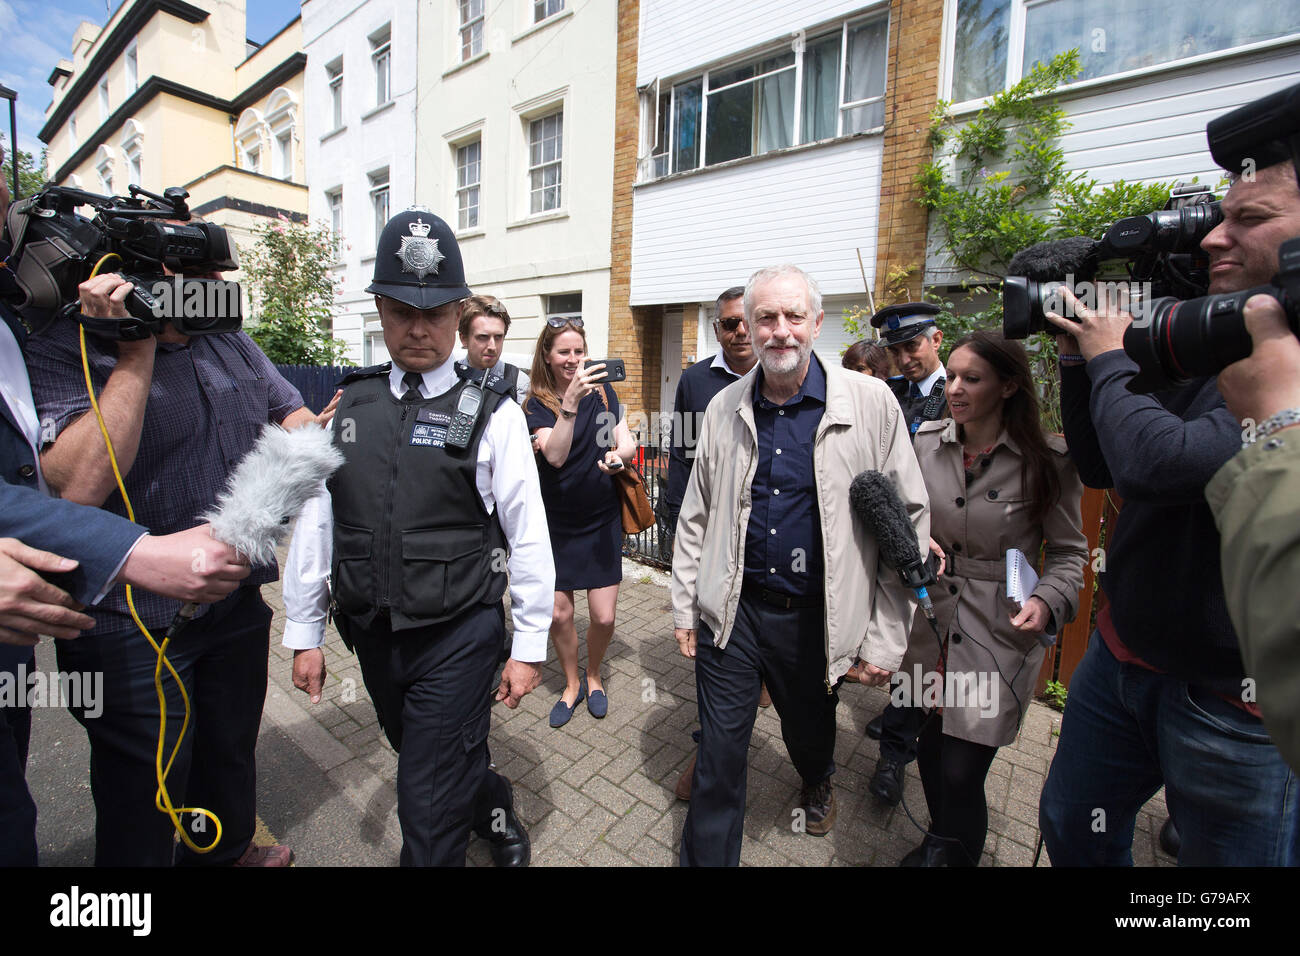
{"x":162,"y":799}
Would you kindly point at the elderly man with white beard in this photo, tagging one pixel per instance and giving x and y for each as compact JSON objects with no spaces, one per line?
{"x":774,"y":581}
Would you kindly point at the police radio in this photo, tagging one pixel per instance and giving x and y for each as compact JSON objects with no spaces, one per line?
{"x":467,"y":409}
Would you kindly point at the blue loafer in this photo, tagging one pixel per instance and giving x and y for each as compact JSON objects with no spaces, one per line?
{"x":597,"y":702}
{"x":562,"y":712}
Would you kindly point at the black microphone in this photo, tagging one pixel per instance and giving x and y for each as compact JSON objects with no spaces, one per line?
{"x":874,"y":500}
{"x":1053,"y":261}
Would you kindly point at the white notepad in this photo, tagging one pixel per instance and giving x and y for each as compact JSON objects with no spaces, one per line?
{"x":1021,"y":578}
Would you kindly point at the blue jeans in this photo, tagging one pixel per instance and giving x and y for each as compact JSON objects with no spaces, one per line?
{"x":1125,"y":731}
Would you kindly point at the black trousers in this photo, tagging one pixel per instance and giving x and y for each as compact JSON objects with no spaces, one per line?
{"x":786,"y":649}
{"x":899,"y":727}
{"x":432,"y":690}
{"x":222,"y":658}
{"x":17,"y":810}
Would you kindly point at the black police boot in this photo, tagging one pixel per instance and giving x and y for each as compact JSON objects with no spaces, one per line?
{"x":507,"y":839}
{"x":886,"y":783}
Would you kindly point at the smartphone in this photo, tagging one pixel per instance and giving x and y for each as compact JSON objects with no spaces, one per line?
{"x":615,"y":370}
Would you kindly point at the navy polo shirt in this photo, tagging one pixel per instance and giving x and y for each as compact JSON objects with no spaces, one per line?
{"x":783,"y":544}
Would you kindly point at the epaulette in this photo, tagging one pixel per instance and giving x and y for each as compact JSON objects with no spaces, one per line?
{"x":1056,"y":443}
{"x":935,"y":426}
{"x":494,"y":383}
{"x":368,"y":372}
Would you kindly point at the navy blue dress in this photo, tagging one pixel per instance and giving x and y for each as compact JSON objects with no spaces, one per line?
{"x":582,"y":508}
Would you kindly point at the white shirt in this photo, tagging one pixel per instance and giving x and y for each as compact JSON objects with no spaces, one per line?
{"x":720,"y":361}
{"x":506,"y":479}
{"x":929,"y":381}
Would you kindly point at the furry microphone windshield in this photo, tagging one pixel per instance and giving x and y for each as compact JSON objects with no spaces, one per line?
{"x":269,"y":488}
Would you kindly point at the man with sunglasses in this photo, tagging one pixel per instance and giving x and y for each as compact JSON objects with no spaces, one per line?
{"x":696,"y":388}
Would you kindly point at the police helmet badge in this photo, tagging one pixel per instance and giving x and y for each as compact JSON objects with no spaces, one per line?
{"x":419,"y":253}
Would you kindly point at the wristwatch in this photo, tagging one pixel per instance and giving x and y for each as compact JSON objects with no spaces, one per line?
{"x":567,"y":414}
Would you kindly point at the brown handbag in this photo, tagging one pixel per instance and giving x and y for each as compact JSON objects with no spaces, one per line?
{"x":633,"y":502}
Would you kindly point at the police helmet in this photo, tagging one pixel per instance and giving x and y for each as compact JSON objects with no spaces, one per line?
{"x":904,"y":321}
{"x":418,"y":261}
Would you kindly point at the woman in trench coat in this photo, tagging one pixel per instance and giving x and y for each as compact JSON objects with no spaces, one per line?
{"x":996,"y":482}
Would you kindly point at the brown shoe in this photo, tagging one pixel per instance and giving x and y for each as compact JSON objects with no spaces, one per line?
{"x":764,"y":698}
{"x":274,"y":855}
{"x":683,"y":788}
{"x":818,"y":804}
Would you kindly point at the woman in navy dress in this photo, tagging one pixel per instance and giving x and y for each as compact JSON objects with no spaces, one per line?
{"x":580,"y":445}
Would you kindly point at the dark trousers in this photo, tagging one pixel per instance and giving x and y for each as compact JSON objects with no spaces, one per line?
{"x":17,"y":810}
{"x":432,"y":688}
{"x":899,"y":727}
{"x":786,"y":649}
{"x":222,"y":658}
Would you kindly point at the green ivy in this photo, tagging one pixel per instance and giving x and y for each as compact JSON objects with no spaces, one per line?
{"x":999,"y":184}
{"x":289,"y":270}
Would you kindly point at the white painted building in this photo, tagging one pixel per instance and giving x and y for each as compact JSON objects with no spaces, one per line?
{"x":515,"y":121}
{"x":761,"y":138}
{"x":360,"y":134}
{"x":1154,"y":75}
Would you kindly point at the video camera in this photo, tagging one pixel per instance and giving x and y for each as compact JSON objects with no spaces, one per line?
{"x":1178,"y":332}
{"x":1161,"y":252}
{"x":54,"y":249}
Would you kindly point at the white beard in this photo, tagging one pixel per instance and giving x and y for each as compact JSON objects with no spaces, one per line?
{"x":784,"y":364}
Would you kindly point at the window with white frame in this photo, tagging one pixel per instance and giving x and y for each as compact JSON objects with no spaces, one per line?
{"x":469,"y":168}
{"x":334,"y":72}
{"x":284,"y":154}
{"x":831,"y":84}
{"x":471,"y":28}
{"x":334,"y":199}
{"x":381,"y":56}
{"x":545,"y":160}
{"x":104,"y":169}
{"x":379,"y":199}
{"x":133,"y":167}
{"x":103,"y":99}
{"x":997,"y":42}
{"x":132,"y":150}
{"x":546,"y":8}
{"x":132,"y":69}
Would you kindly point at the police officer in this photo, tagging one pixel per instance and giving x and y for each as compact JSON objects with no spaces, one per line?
{"x":908,"y":330}
{"x":437,"y":484}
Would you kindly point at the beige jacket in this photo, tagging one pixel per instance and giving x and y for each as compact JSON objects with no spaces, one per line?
{"x":976,"y":525}
{"x":868,"y":610}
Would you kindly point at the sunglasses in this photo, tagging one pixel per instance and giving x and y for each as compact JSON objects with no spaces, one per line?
{"x":730,"y":325}
{"x":560,"y":321}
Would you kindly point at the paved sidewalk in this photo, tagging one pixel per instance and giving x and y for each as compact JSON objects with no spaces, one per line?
{"x":601,"y":792}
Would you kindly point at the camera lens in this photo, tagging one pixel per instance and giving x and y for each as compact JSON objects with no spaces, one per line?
{"x":1176,"y":340}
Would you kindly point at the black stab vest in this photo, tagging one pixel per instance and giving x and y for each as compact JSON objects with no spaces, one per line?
{"x":411,"y":535}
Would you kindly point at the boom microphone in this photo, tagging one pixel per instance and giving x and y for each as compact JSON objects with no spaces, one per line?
{"x":1048,"y":261}
{"x":268,"y":489}
{"x":874,"y":500}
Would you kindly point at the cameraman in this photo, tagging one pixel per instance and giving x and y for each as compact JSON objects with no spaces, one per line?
{"x":1161,"y":695}
{"x":181,"y":412}
{"x":86,"y":548}
{"x":1254,"y":498}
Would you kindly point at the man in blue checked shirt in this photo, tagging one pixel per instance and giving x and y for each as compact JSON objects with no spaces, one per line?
{"x":181,"y":413}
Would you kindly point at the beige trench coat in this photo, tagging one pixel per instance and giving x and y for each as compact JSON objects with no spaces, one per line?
{"x":992,"y":666}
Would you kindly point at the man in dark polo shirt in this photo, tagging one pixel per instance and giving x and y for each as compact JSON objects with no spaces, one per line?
{"x":908,"y":330}
{"x":181,"y":412}
{"x":698,"y":385}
